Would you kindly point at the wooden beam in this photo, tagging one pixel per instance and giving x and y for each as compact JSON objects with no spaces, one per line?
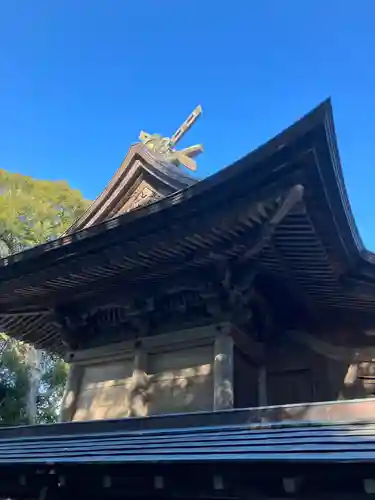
{"x":294,"y":196}
{"x":256,"y":351}
{"x":247,"y":344}
{"x":262,"y":385}
{"x":25,"y":314}
{"x":71,"y":393}
{"x":223,"y":371}
{"x":336,"y":352}
{"x":184,"y":338}
{"x":138,"y":396}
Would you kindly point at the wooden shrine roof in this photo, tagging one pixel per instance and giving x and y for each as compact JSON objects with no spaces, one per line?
{"x":284,"y":206}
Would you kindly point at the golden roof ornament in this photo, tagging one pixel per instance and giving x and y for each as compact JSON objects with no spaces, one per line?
{"x":165,"y":146}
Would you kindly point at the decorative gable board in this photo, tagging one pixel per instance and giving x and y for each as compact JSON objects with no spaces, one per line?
{"x":141,"y":179}
{"x":141,"y":196}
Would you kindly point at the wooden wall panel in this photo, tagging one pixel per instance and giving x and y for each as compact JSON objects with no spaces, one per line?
{"x":332,"y":376}
{"x":181,"y":395}
{"x":181,"y":381}
{"x":290,"y":387}
{"x":294,"y":374}
{"x":104,"y":391}
{"x":341,"y":367}
{"x":245,"y":381}
{"x":175,"y":381}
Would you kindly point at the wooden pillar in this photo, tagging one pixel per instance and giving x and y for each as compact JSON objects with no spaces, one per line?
{"x":223,"y":371}
{"x":262,"y":385}
{"x":71,"y":393}
{"x":139,"y":403}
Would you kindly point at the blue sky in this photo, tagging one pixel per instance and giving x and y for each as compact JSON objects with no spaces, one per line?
{"x":79,"y":79}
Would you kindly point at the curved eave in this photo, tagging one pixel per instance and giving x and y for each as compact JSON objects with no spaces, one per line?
{"x":141,"y":268}
{"x":306,"y":153}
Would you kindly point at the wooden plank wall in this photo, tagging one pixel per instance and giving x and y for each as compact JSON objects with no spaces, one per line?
{"x":176,"y":378}
{"x":298,"y":373}
{"x":181,"y":381}
{"x":174,"y":381}
{"x":245,"y":380}
{"x":104,"y":391}
{"x":293,"y":374}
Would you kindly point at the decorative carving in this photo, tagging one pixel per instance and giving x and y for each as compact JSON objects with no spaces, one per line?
{"x":142,"y":196}
{"x":223,"y":294}
{"x":233,"y":290}
{"x":262,"y":318}
{"x":71,"y":325}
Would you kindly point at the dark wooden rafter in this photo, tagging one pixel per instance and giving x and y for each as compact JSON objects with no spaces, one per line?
{"x":228,"y":293}
{"x":191,"y":245}
{"x":167,"y":251}
{"x":296,"y":290}
{"x":236,"y":277}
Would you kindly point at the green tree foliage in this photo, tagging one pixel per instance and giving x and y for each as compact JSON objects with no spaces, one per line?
{"x":53,"y":376}
{"x":32,"y":212}
{"x":14,"y":383}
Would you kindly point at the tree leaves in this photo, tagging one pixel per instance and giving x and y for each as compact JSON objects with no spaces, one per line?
{"x":13,"y":385}
{"x":32,"y":212}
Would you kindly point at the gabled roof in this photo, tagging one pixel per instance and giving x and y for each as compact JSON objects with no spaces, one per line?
{"x":140,"y":180}
{"x":290,"y":189}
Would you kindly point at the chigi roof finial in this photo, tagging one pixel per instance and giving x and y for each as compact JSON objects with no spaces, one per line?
{"x":165,"y":146}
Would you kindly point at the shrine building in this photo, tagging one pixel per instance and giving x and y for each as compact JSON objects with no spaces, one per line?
{"x":224,"y":324}
{"x":249,"y":288}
